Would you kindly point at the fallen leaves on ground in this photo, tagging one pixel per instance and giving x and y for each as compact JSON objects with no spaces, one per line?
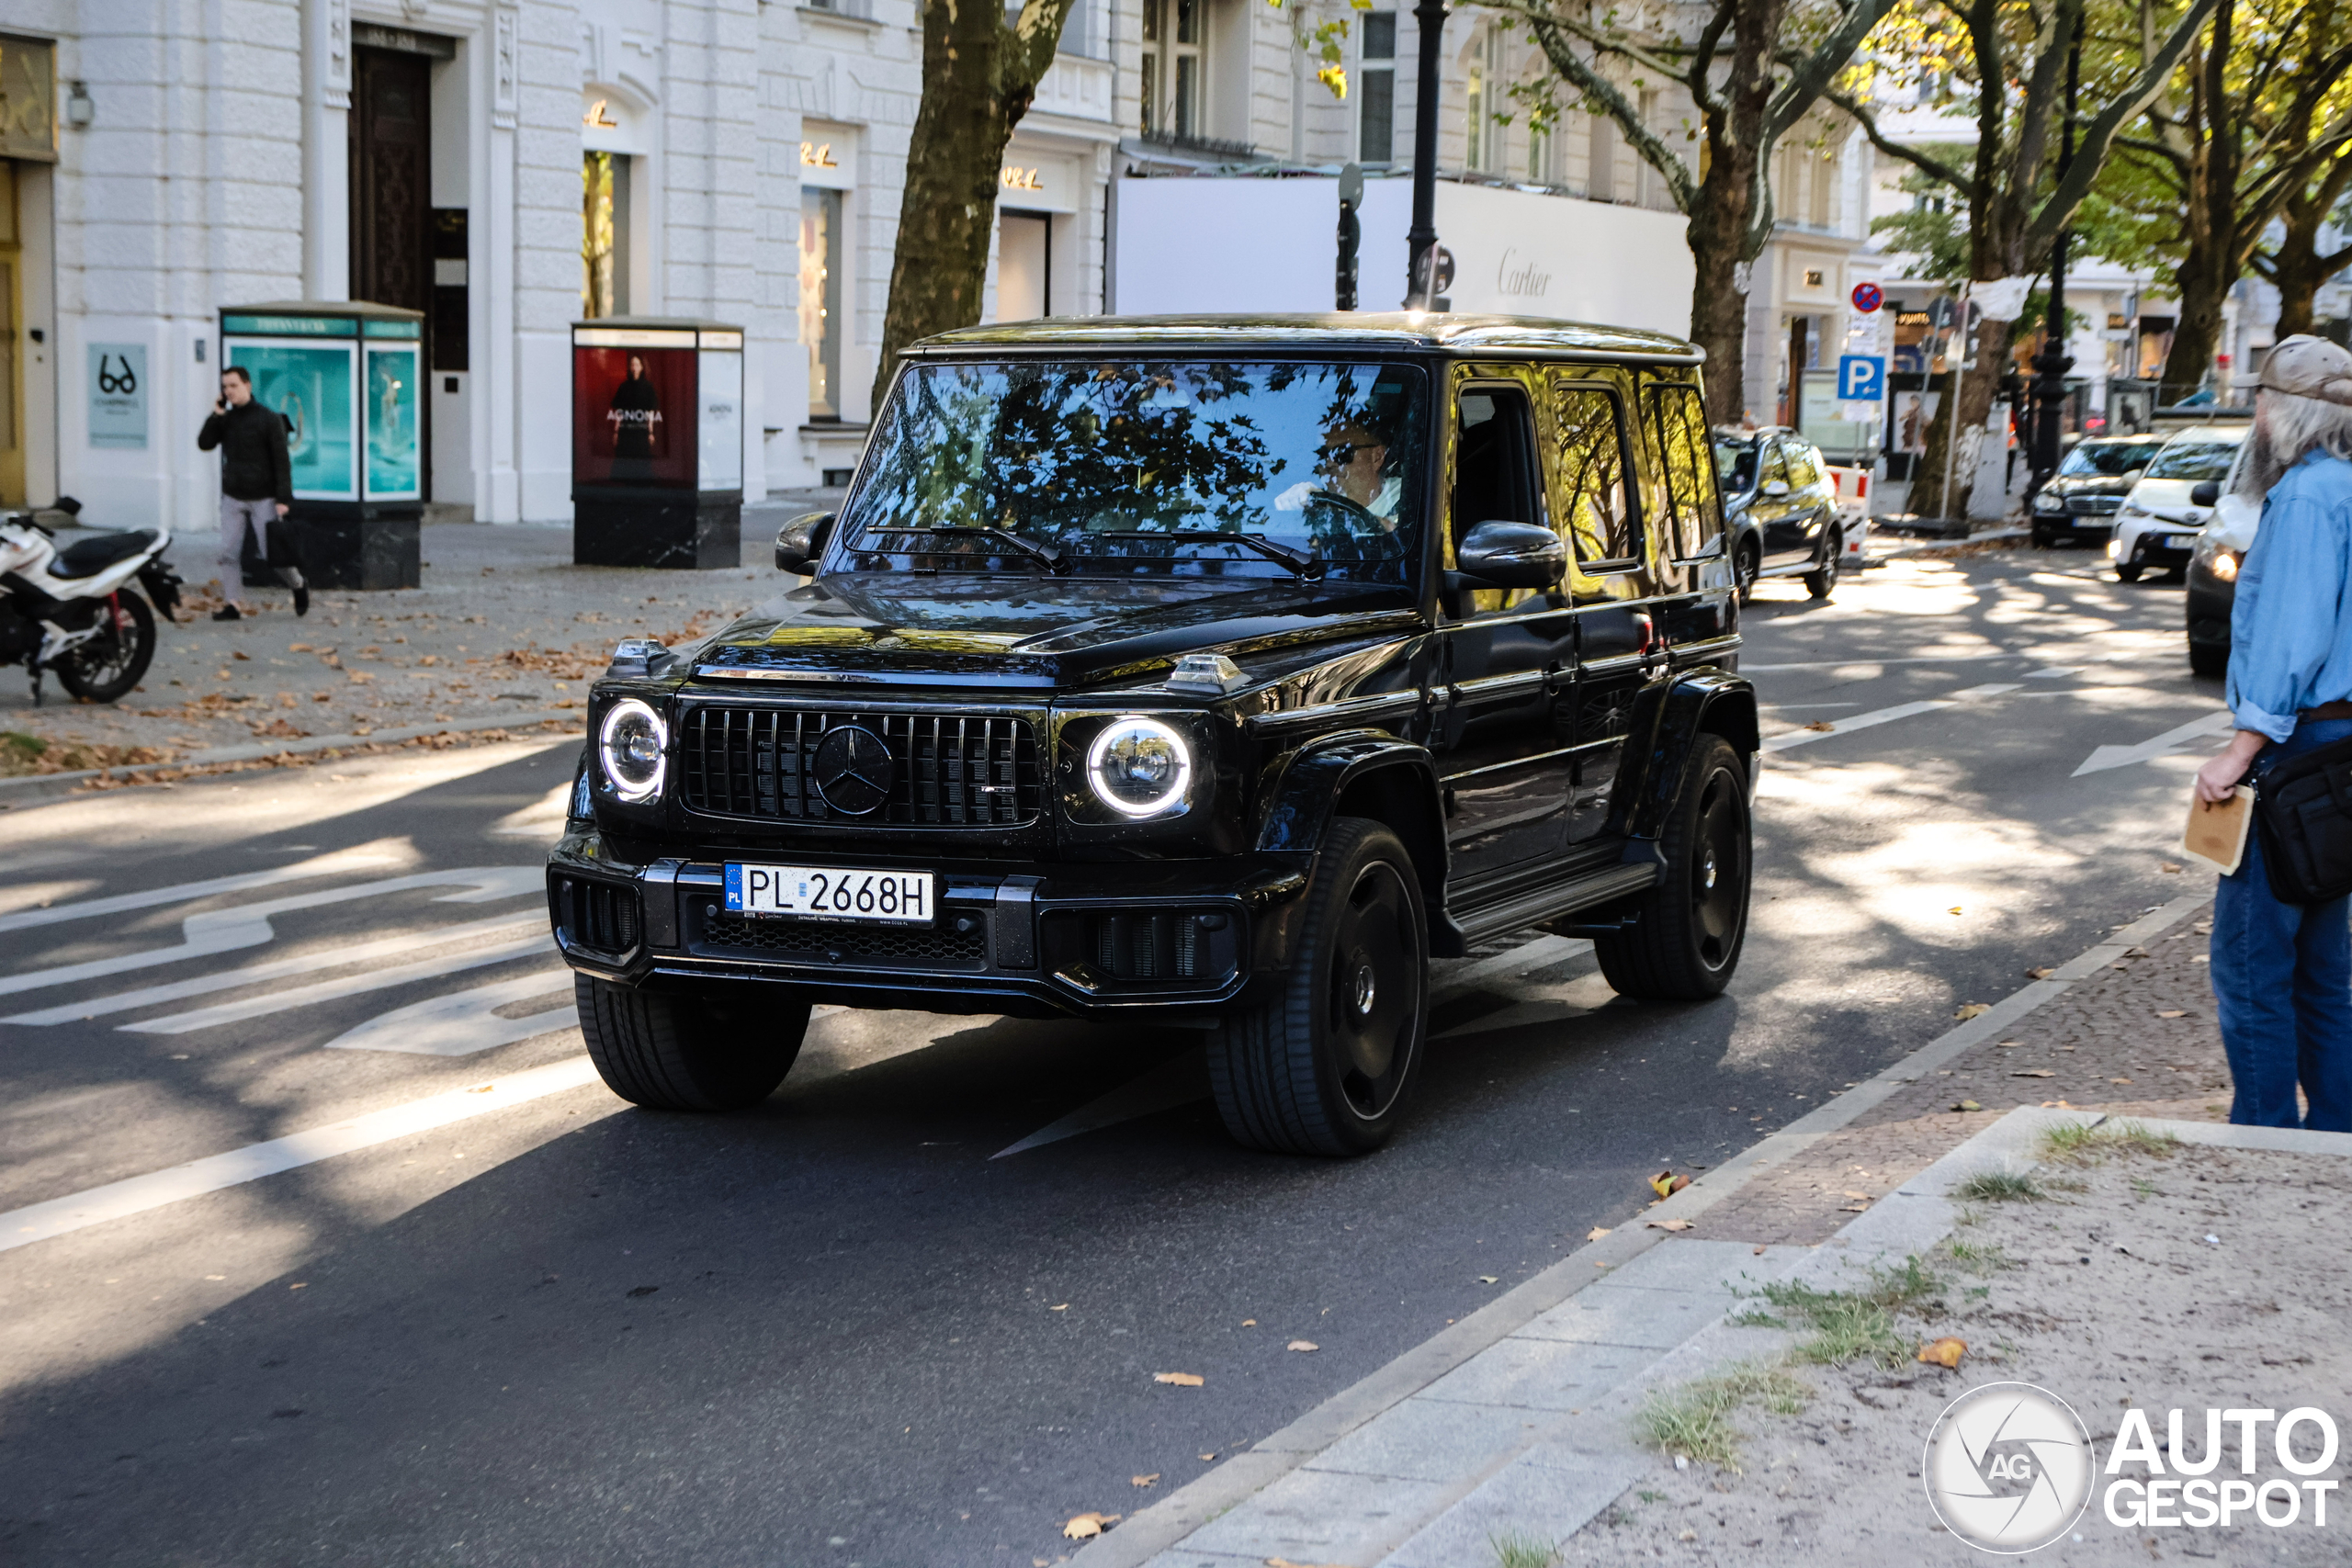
{"x":1488,"y":1279}
{"x":2167,"y":868}
{"x":1666,"y":1184}
{"x":1821,"y":725}
{"x":1671,"y":1225}
{"x":2042,"y":972}
{"x":1151,"y":1480}
{"x":1085,"y":1526}
{"x":1596,"y":1233}
{"x":1302,"y":1345}
{"x":1181,"y":1379}
{"x":2033,"y":1073}
{"x":1967,"y":1011}
{"x":1943,"y":1352}
{"x":1966,"y":1105}
{"x":1063,"y":1308}
{"x":2173,"y":1012}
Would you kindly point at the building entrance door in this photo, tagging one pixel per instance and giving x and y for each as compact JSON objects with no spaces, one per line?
{"x":392,"y":187}
{"x":12,"y":355}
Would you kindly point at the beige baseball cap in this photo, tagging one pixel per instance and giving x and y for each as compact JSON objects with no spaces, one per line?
{"x":2307,"y":367}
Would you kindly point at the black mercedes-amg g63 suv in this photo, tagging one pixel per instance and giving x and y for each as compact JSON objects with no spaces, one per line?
{"x":1217,"y":669}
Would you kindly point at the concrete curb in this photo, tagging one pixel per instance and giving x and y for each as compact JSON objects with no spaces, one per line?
{"x":1167,"y":1522}
{"x":37,"y":786}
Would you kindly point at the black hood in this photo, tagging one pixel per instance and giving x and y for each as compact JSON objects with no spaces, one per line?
{"x":998,"y":630}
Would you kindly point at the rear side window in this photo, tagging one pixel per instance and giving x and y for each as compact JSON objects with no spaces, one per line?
{"x":1596,"y":502}
{"x":1694,"y":511}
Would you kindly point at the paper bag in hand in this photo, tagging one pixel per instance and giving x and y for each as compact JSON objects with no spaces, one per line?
{"x":2216,"y":833}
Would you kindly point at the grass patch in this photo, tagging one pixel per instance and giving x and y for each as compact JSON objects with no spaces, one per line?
{"x":1979,"y":1257}
{"x":1694,"y":1421}
{"x":1517,"y":1551}
{"x":2000,"y":1187}
{"x":2081,"y":1145}
{"x":1854,"y":1326}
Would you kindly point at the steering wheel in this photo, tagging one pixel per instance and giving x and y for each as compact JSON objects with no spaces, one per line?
{"x":1333,"y":498}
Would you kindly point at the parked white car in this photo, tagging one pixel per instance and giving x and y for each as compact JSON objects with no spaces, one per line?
{"x":2158,"y":523}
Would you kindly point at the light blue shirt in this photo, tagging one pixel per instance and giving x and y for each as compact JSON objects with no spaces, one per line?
{"x":2291,"y":626}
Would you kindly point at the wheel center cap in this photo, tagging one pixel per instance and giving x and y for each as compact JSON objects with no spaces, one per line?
{"x":1366,"y":988}
{"x":1707,"y":871}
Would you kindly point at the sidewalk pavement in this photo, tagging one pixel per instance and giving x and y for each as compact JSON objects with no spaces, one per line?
{"x":1518,"y":1418}
{"x":505,"y":632}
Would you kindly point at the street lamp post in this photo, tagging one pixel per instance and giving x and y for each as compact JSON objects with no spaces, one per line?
{"x":2052,"y":363}
{"x":1420,"y":241}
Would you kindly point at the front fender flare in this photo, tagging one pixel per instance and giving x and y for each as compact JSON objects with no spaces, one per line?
{"x":1698,"y":702}
{"x":1304,"y":791}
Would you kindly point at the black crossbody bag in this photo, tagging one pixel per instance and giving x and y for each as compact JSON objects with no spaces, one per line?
{"x":2302,"y":809}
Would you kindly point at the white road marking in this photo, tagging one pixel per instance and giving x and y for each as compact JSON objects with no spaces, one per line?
{"x":2056,"y":673}
{"x":1881,"y":715}
{"x":1746,"y":668}
{"x":254,"y":974}
{"x":2108,"y":757}
{"x":543,"y":819}
{"x":1541,"y":954}
{"x":539,"y":941}
{"x":326,"y":865}
{"x":1180,"y":1080}
{"x":225,"y":931}
{"x":139,"y":1194}
{"x":464,"y":1023}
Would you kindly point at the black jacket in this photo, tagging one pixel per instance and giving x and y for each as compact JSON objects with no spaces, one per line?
{"x":253,"y":464}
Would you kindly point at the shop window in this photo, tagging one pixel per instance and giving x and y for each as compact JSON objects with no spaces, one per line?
{"x":1601,"y":173}
{"x":604,"y":241}
{"x":1596,"y":502}
{"x":1024,"y":266}
{"x":821,"y":298}
{"x":1173,"y":75}
{"x":1377,"y":89}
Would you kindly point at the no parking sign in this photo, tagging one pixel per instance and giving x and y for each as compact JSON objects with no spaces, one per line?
{"x":1868,"y":296}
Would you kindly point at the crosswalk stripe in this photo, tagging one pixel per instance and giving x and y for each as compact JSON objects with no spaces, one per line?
{"x":138,"y":1194}
{"x":277,"y":969}
{"x":181,"y":892}
{"x":463,"y":1022}
{"x":346,"y":986}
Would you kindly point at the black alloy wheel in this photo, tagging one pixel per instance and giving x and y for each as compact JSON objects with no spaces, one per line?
{"x":1685,"y":938}
{"x":1746,"y":565}
{"x":1324,"y":1067}
{"x":1822,"y":581}
{"x":110,"y":665}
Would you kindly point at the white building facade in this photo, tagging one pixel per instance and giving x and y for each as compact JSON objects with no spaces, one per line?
{"x":509,"y":169}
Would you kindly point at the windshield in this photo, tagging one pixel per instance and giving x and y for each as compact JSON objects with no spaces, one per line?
{"x":1112,"y":465}
{"x":1734,"y":465}
{"x":2195,"y":457}
{"x":2109,"y":457}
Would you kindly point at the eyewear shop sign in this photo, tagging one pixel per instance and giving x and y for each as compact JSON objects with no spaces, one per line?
{"x":347,"y":386}
{"x":117,"y":372}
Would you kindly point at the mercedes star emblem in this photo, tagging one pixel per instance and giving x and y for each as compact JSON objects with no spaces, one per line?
{"x":853,"y":770}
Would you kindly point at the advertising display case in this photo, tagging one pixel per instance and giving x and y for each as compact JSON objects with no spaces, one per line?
{"x":657,"y":442}
{"x":347,"y":377}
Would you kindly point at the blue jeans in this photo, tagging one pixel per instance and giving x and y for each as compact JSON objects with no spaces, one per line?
{"x":2282,"y":977}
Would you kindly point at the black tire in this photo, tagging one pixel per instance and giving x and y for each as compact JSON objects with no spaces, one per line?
{"x":1821,"y":582}
{"x":2209,"y":658}
{"x":1747,"y":564}
{"x":680,"y":1051}
{"x":110,"y":665}
{"x":2127,"y":571}
{"x":1686,"y":936}
{"x":1326,"y":1065}
{"x":2044,"y":540}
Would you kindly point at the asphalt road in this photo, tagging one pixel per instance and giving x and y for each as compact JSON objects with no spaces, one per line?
{"x":837,"y":1331}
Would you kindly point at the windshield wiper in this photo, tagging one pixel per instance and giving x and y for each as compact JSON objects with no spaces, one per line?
{"x":1310,"y":567}
{"x":1049,"y":556}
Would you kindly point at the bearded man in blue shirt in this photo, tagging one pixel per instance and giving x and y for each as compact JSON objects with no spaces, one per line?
{"x":2282,"y":973}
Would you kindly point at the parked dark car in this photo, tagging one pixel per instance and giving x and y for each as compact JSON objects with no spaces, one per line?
{"x":1780,"y":508}
{"x":1209,"y":670}
{"x":2077,"y":506}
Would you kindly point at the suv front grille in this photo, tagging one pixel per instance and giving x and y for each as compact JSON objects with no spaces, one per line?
{"x":2093,"y":505}
{"x":825,"y":941}
{"x":946,"y":770}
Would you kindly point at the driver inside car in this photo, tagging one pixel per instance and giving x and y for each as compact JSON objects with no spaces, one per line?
{"x":1351,"y":463}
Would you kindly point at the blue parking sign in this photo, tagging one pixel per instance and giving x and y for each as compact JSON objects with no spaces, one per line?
{"x":1862,"y":377}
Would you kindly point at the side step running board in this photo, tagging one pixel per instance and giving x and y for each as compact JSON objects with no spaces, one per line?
{"x":1526,"y":907}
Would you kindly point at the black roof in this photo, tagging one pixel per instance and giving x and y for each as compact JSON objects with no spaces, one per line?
{"x":1393,"y":331}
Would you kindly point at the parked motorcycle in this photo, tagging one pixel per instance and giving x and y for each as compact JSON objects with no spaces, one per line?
{"x":74,"y":610}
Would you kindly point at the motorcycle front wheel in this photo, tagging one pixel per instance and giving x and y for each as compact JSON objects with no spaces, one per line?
{"x":110,"y":664}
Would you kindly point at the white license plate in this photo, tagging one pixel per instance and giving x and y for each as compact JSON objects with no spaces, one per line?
{"x":830,"y":893}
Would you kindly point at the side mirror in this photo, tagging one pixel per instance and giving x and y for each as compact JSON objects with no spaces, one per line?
{"x":2205,"y":492}
{"x":1511,"y":555}
{"x":801,"y":541}
{"x":1776,"y":487}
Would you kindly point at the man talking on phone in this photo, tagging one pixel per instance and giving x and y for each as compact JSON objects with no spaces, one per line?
{"x":256,"y":486}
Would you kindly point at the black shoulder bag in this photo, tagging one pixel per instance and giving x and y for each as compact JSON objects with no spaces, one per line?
{"x":2302,"y":809}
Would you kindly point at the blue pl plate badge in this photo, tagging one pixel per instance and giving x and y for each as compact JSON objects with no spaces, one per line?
{"x":735,"y":889}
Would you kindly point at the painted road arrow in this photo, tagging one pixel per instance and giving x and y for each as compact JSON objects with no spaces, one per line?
{"x":2172,"y":740}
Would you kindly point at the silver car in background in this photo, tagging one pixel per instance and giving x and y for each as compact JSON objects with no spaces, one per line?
{"x":2157,"y":526}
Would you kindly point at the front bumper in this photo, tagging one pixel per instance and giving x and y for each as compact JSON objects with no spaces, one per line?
{"x":2156,"y":547}
{"x":2208,"y":601}
{"x":1037,"y":940}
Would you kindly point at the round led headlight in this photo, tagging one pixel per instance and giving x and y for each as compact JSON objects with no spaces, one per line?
{"x":633,"y":742}
{"x":1138,"y":767}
